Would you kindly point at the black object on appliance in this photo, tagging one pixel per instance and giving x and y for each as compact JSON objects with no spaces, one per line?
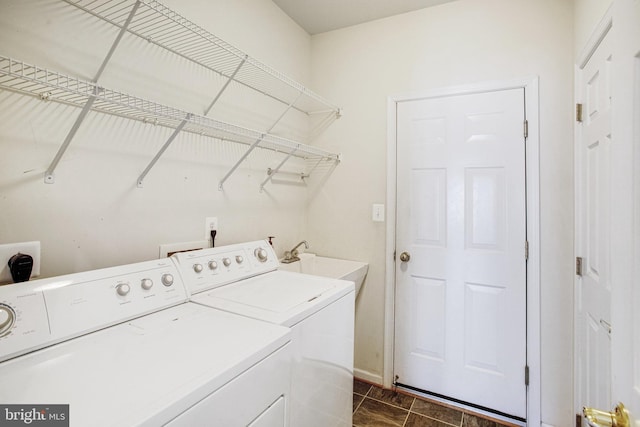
{"x":20,"y":266}
{"x":213,"y":238}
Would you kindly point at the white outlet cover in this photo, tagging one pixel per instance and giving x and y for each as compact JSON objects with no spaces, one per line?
{"x":210,"y":223}
{"x":10,"y":249}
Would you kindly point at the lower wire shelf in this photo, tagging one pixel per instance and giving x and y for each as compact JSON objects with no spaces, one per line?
{"x":48,"y":85}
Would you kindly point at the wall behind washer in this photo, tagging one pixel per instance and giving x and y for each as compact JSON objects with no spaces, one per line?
{"x":458,"y":43}
{"x":94,"y":215}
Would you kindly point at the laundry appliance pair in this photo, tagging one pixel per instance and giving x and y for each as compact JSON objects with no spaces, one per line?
{"x":216,"y":337}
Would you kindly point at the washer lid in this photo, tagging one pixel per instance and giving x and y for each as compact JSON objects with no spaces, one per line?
{"x":280,"y":297}
{"x":143,"y":372}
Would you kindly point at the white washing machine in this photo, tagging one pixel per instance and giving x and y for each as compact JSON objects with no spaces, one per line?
{"x":123,"y":347}
{"x":244,"y":279}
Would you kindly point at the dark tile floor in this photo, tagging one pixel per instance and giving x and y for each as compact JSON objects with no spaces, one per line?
{"x":377,"y":407}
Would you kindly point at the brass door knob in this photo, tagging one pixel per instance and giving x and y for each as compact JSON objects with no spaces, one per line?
{"x":405,"y":256}
{"x":619,"y":417}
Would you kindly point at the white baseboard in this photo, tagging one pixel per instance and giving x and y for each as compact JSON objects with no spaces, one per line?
{"x":546,"y":425}
{"x":367,"y":376}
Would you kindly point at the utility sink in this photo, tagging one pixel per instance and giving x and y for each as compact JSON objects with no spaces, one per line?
{"x":329,"y":267}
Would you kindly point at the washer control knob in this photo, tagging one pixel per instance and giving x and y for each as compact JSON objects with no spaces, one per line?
{"x":213,"y":265}
{"x":167,"y":279}
{"x":7,"y":318}
{"x":146,"y":284}
{"x":226,"y":262}
{"x":123,"y":289}
{"x":197,"y":268}
{"x":239,"y":259}
{"x":261,"y":254}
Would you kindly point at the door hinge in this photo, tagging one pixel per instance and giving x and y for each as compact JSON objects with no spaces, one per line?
{"x":526,"y":129}
{"x":526,"y":250}
{"x":526,"y":375}
{"x":394,"y":256}
{"x":579,"y":113}
{"x":579,"y":266}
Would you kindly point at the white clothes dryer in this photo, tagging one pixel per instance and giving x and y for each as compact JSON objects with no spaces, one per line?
{"x":123,"y":347}
{"x":244,"y":279}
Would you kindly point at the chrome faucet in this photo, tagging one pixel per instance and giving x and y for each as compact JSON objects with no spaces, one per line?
{"x":292,"y":255}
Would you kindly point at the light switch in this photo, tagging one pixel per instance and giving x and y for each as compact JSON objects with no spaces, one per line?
{"x":378,"y":213}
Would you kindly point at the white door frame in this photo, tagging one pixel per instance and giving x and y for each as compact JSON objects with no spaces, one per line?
{"x":533,"y":227}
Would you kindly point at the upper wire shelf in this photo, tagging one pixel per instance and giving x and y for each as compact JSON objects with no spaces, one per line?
{"x":50,"y":85}
{"x":164,"y":27}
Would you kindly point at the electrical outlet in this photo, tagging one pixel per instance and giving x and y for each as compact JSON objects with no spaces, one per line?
{"x":210,"y":223}
{"x":10,"y":249}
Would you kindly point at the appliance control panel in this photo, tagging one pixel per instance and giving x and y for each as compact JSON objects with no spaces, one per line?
{"x":43,"y":312}
{"x":213,"y":267}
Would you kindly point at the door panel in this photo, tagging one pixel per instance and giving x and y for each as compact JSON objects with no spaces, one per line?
{"x":593,"y":240}
{"x":461,"y":299}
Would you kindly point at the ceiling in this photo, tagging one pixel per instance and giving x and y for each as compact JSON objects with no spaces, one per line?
{"x":319,"y":16}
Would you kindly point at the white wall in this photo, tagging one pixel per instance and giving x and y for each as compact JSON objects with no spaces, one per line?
{"x":458,"y":43}
{"x":94,"y":216}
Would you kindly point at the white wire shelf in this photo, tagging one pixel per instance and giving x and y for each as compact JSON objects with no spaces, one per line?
{"x":154,"y":22}
{"x":49,"y":85}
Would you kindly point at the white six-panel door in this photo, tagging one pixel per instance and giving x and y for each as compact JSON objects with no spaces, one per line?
{"x":608,"y":215}
{"x":460,"y":315}
{"x":593,"y":225}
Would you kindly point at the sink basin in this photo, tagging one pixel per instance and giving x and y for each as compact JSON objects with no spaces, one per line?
{"x":329,"y":267}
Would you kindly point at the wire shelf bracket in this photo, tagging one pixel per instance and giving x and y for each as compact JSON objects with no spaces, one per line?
{"x":49,"y":175}
{"x":163,"y":149}
{"x":226,"y":85}
{"x":255,"y":144}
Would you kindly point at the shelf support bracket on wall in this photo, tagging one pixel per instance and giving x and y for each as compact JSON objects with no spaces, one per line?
{"x":49,"y":177}
{"x":229,"y":80}
{"x":277,"y":169}
{"x":116,"y":42}
{"x":257,"y":142}
{"x":244,"y":156}
{"x":163,"y":149}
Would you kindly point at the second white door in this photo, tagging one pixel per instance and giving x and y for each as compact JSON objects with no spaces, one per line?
{"x":461,"y":220}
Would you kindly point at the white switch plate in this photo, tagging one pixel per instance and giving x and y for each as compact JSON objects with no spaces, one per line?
{"x":377,"y":213}
{"x":10,"y":249}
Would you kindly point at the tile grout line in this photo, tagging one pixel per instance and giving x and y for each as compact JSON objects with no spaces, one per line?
{"x":387,"y":403}
{"x":359,"y":404}
{"x":362,"y":401}
{"x":415,"y":398}
{"x":437,"y":420}
{"x":408,"y":412}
